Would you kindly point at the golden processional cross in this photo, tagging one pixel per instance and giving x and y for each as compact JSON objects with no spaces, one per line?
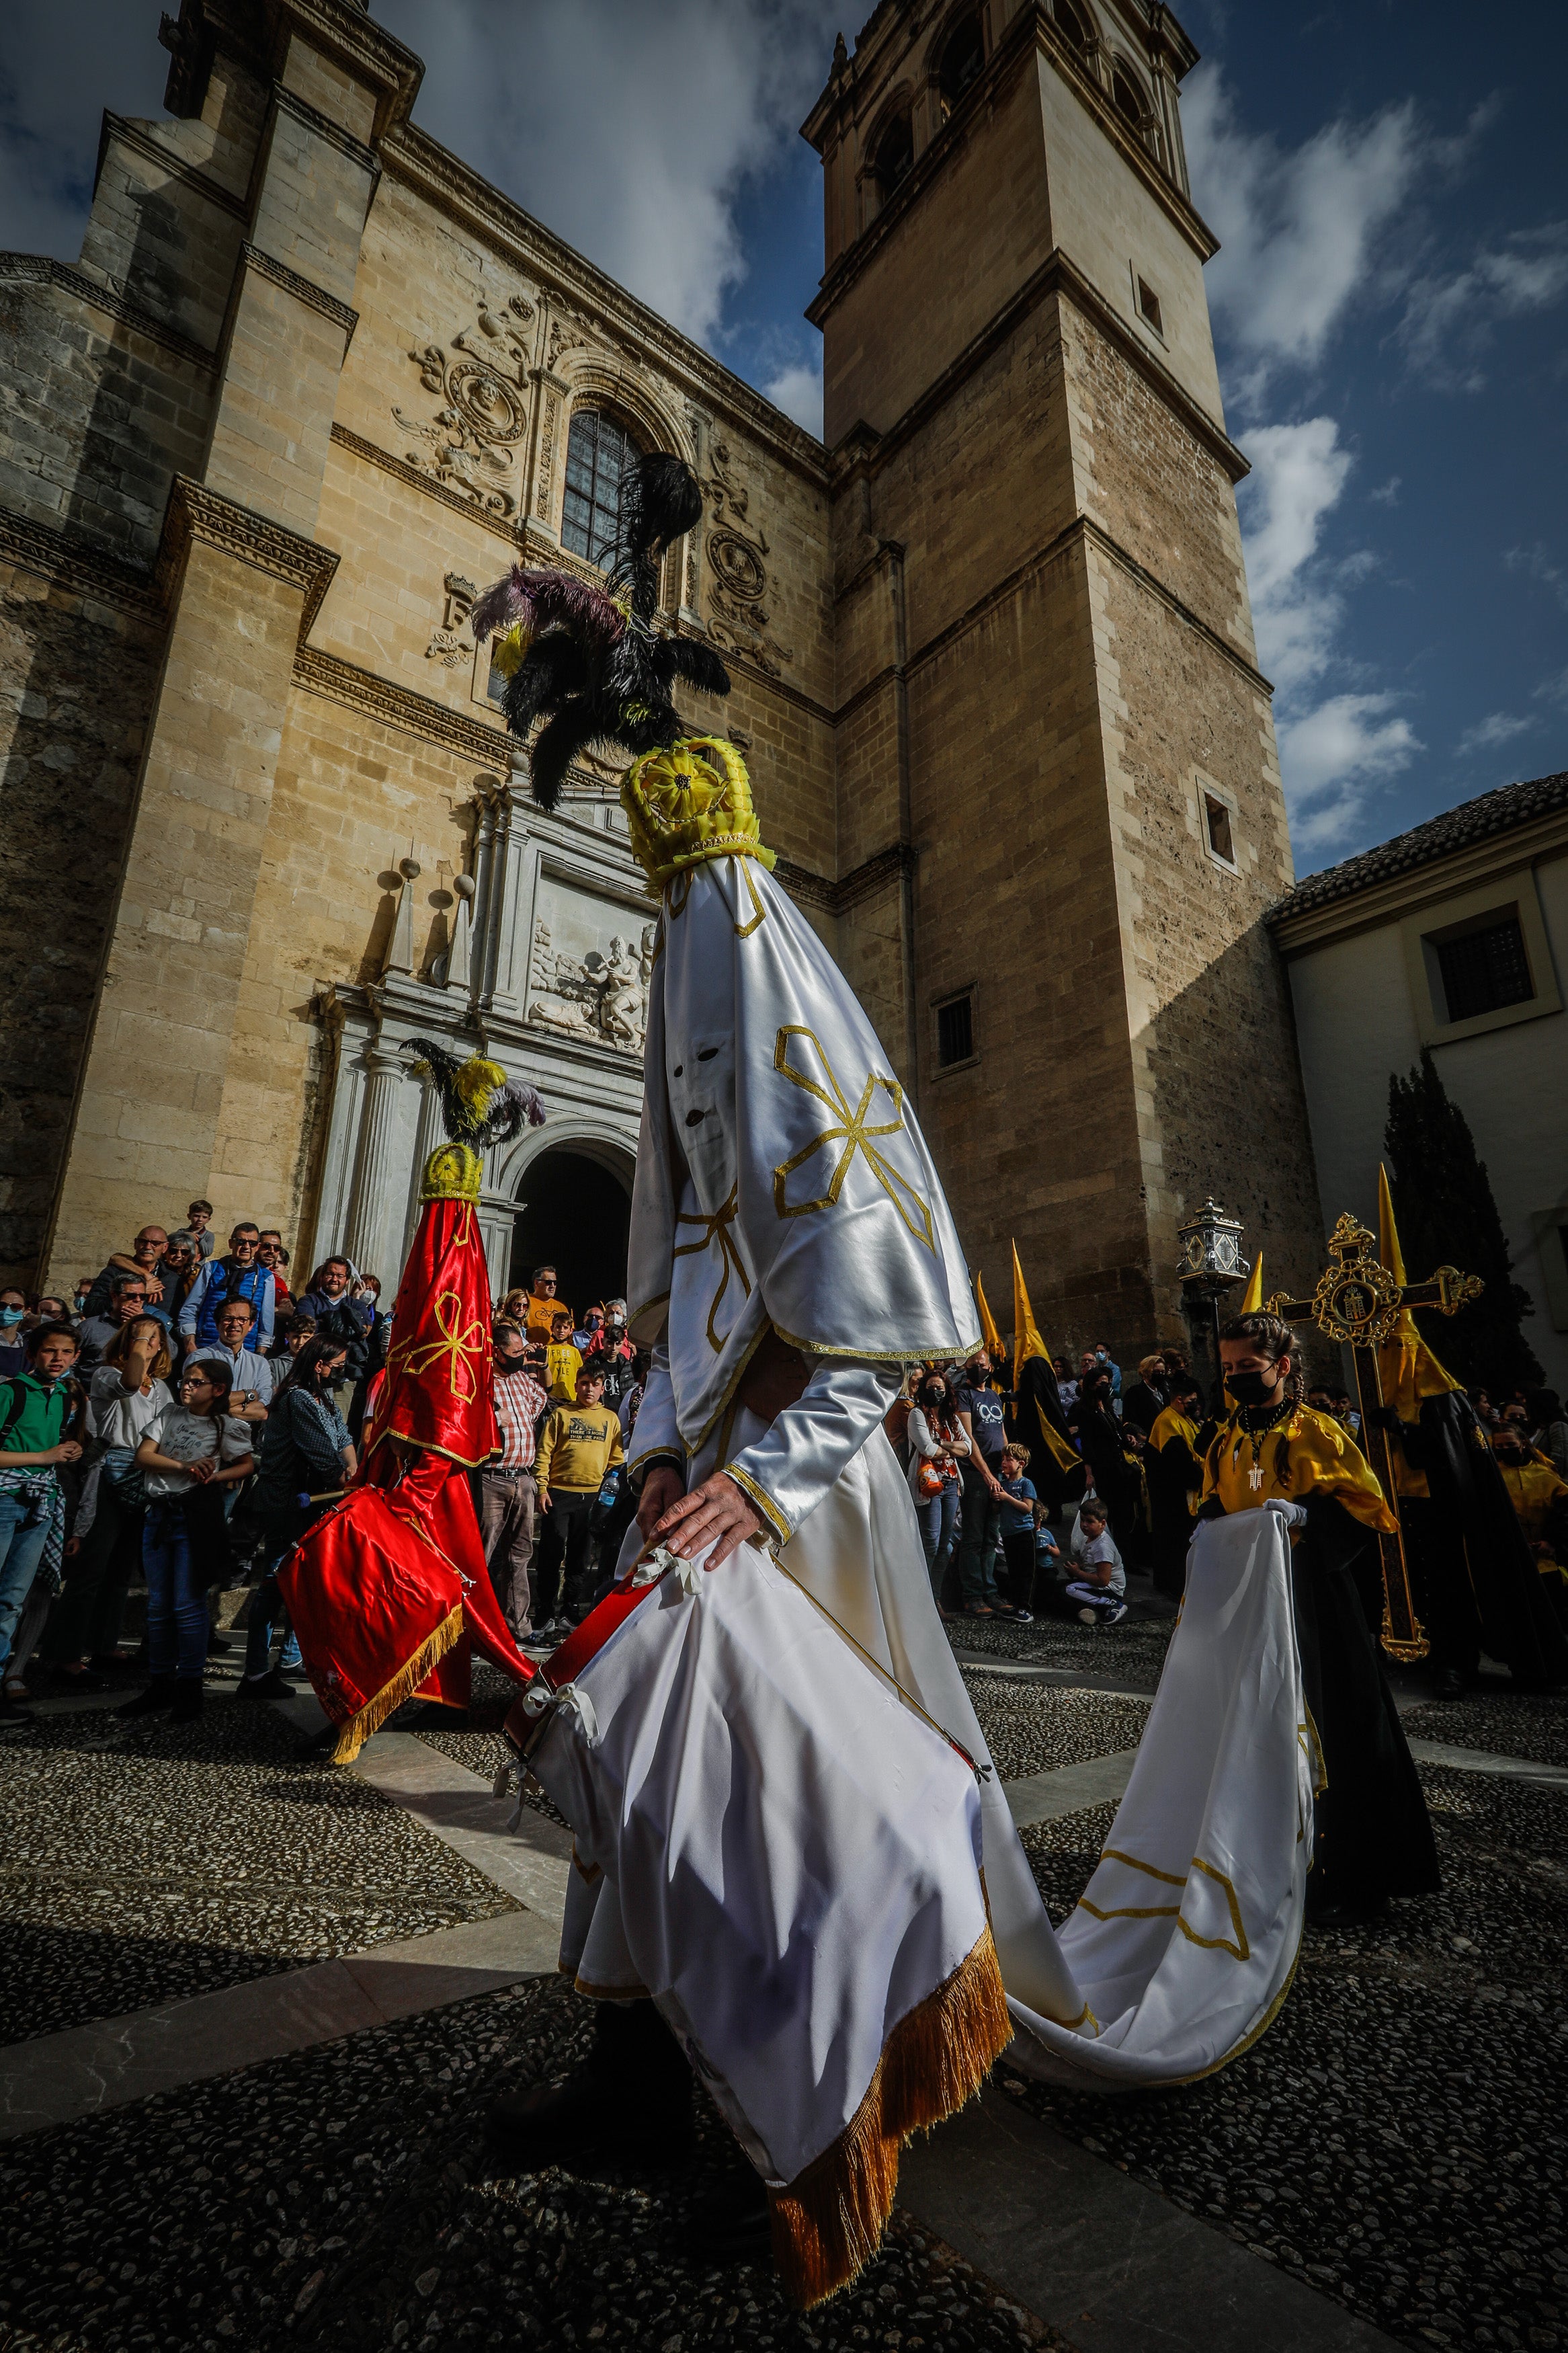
{"x":1359,"y":1302}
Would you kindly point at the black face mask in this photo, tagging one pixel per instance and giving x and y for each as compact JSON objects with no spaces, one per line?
{"x":1250,"y":1388}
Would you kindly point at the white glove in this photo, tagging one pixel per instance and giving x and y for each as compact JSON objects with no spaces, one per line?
{"x":1293,"y":1516}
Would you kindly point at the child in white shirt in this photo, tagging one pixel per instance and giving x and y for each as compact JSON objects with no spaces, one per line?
{"x":1100,"y":1585}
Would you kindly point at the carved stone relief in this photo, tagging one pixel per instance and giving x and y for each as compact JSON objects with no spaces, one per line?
{"x":589,"y":971}
{"x":448,"y":646}
{"x":472,"y":443}
{"x":737,"y":548}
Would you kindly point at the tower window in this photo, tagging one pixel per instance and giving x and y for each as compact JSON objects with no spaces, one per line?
{"x":1149,"y":305}
{"x":961,"y":60}
{"x":955,"y":1030}
{"x":1484,"y":970}
{"x":599,"y":453}
{"x":1217,"y":827}
{"x":895,"y":153}
{"x":1127,"y":99}
{"x":1071,"y":26}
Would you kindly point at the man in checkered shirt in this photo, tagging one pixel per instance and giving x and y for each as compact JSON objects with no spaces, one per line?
{"x":509,"y":1492}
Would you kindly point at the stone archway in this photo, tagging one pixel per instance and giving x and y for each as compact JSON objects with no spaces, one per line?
{"x":574,"y":1208}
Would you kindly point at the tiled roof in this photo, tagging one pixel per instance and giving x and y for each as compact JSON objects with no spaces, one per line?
{"x":1457,"y":829}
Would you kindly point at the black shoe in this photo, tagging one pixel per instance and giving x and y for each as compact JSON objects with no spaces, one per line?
{"x":77,"y":1679}
{"x":187,"y":1699}
{"x":218,"y":1644}
{"x":629,"y":2101}
{"x":158,"y":1695}
{"x":13,"y":1711}
{"x":733,"y":2224}
{"x":274,"y":1684}
{"x":1447,"y":1684}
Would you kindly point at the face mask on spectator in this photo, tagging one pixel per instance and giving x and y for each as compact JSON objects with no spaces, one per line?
{"x":10,"y":1315}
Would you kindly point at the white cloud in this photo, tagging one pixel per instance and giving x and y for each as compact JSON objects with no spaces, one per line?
{"x":1298,"y":472}
{"x":1299,"y":228}
{"x":1387,"y":493}
{"x":1553,"y":690}
{"x":1498,"y":727}
{"x":1449,"y":321}
{"x":628,"y":129}
{"x":1331,"y":755}
{"x":797,"y":390}
{"x":1536,"y":561}
{"x":58,"y":68}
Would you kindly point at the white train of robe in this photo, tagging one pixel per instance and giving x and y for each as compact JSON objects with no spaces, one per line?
{"x":782,"y":1180}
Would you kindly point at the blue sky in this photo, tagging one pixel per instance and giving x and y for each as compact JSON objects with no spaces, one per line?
{"x":1389,"y":304}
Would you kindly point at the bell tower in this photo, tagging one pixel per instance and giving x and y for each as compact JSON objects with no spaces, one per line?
{"x":1048,"y":707}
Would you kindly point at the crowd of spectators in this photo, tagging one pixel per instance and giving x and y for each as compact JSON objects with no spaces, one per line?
{"x":184,"y":1415}
{"x":160,"y":1426}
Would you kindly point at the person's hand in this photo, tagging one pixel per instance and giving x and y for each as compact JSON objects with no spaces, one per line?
{"x":1294,"y":1516}
{"x":543,"y":1499}
{"x":716,"y":1513}
{"x":73,"y":1546}
{"x":663,"y":1486}
{"x":203,"y":1471}
{"x":68,"y":1451}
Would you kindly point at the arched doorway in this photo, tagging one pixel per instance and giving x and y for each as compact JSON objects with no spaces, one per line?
{"x":574,"y":1213}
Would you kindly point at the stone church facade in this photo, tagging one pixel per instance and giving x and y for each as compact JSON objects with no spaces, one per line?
{"x":312,"y":383}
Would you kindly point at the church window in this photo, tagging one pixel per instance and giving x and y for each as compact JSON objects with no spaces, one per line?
{"x":962,"y":57}
{"x":1485,"y":968}
{"x":895,"y":153}
{"x":1217,"y":827}
{"x":1127,"y":99}
{"x":1149,"y":305}
{"x":955,"y":1030}
{"x":599,"y":454}
{"x":1071,"y":26}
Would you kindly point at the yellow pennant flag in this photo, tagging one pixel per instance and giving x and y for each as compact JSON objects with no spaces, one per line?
{"x":988,"y":1331}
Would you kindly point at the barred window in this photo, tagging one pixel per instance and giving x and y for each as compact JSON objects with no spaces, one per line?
{"x":1485,"y":970}
{"x":599,"y":453}
{"x":962,"y":61}
{"x":895,"y":153}
{"x":955,"y":1030}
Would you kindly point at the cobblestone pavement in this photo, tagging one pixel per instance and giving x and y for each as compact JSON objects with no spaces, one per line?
{"x":345,"y":2199}
{"x":142,"y":1862}
{"x":1509,"y":1723}
{"x":1397,"y":2139}
{"x":1132,"y":1653}
{"x":1033,"y":1727}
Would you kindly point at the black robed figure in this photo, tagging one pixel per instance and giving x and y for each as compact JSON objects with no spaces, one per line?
{"x":1373,"y":1837}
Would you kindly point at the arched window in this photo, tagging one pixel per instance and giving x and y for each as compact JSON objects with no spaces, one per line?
{"x":895,"y":153}
{"x":962,"y":56}
{"x":1071,"y":26}
{"x":1129,"y":99}
{"x":599,"y":452}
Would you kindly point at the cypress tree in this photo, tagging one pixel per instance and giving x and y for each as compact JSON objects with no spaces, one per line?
{"x":1442,"y":1201}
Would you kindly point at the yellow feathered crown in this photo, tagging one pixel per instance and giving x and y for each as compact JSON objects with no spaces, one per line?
{"x":690,"y":801}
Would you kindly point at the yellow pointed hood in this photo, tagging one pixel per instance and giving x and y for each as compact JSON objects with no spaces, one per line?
{"x":1027,"y":1340}
{"x":988,"y":1331}
{"x":1253,"y":1302}
{"x":1409,"y":1370}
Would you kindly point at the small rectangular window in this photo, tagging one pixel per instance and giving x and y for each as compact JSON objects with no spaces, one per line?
{"x":495,"y":684}
{"x":1483,"y":970}
{"x":955,"y":1030}
{"x":1217,"y":824}
{"x":1149,"y":304}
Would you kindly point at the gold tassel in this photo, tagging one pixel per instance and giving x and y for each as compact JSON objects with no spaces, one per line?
{"x":353,"y":1734}
{"x":828,"y":2223}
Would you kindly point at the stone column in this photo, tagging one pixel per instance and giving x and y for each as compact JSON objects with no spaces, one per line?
{"x":506,"y":928}
{"x":380,"y":1172}
{"x":498,"y":1214}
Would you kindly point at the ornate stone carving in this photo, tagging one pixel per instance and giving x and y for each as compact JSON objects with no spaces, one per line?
{"x":736,"y":551}
{"x":471,"y":445}
{"x":600,"y":997}
{"x":447,"y":645}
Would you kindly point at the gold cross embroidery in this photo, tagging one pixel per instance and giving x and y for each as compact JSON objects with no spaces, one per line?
{"x":455,"y":1345}
{"x":717,"y":1227}
{"x":852,"y":1131}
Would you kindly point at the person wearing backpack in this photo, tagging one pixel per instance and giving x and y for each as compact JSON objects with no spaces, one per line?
{"x":191,"y":1452}
{"x":125,"y":1396}
{"x":42,"y":1422}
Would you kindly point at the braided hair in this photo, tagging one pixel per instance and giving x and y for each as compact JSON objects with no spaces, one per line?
{"x":1273,"y":1338}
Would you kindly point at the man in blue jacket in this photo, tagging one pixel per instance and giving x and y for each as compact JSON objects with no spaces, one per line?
{"x":238,"y":1275}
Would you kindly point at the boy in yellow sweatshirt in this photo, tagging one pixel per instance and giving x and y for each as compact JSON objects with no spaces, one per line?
{"x":579,"y":1446}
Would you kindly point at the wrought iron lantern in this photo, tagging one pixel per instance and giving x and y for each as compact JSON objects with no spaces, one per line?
{"x":1211,"y":1250}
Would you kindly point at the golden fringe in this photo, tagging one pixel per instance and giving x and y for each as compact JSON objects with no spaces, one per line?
{"x":353,"y":1736}
{"x":828,"y":2223}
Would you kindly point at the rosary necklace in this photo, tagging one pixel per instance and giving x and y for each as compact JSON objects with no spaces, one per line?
{"x":1255,"y":1432}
